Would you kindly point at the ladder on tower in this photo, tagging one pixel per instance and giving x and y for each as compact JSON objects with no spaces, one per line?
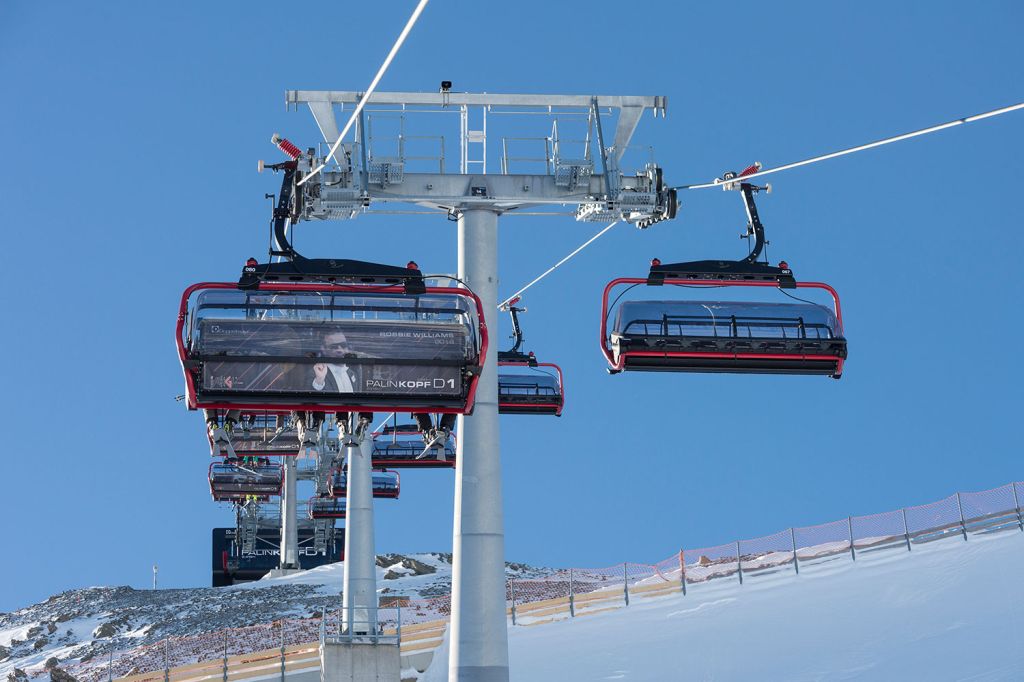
{"x":469,"y":138}
{"x":248,"y":523}
{"x":321,"y":534}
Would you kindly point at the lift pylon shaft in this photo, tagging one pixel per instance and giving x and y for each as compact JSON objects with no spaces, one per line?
{"x":361,"y":177}
{"x":289,"y":520}
{"x":359,"y":595}
{"x":479,"y":639}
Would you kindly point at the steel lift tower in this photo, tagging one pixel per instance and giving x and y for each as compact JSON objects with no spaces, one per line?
{"x":359,"y":175}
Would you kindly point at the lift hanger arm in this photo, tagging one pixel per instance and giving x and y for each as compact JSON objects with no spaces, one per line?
{"x":514,"y":354}
{"x":749,"y":268}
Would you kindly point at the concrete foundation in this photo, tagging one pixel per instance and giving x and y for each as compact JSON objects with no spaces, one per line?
{"x":360,"y":662}
{"x":278,"y":572}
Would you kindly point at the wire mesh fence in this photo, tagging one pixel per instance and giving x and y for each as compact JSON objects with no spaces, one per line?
{"x":285,"y":645}
{"x":768,"y":554}
{"x":709,"y":563}
{"x":879,"y":531}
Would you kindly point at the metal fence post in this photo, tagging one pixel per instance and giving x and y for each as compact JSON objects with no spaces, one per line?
{"x":282,"y":650}
{"x":960,"y":508}
{"x":739,"y":562}
{"x":1016,"y":504}
{"x":906,"y":528}
{"x":625,"y":583}
{"x":849,"y":524}
{"x":167,"y":667}
{"x":682,"y":571}
{"x":110,"y":665}
{"x":572,"y":596}
{"x":224,"y":668}
{"x":512,"y":590}
{"x":796,"y":559}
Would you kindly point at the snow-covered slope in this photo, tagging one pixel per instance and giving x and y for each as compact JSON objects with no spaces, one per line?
{"x":86,"y":624}
{"x":949,"y":610}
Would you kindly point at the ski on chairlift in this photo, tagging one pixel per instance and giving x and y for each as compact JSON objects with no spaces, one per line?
{"x":263,"y":434}
{"x":238,"y":481}
{"x":402,"y":446}
{"x":706,"y":335}
{"x":526,"y":386}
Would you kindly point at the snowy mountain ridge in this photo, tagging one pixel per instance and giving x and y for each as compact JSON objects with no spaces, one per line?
{"x":84,"y":625}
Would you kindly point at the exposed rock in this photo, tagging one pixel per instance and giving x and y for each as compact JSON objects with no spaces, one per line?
{"x":108,"y":629}
{"x":17,"y":675}
{"x":416,"y":567}
{"x":51,"y":662}
{"x":59,"y":675}
{"x":58,"y":623}
{"x":111,"y":627}
{"x":703,"y":561}
{"x":33,"y":631}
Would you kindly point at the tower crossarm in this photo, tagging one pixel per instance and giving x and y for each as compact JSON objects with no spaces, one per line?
{"x":584,"y":171}
{"x":631,"y":107}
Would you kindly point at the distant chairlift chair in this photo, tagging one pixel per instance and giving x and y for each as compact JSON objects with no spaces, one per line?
{"x":386,"y":484}
{"x":234,"y":481}
{"x":402,"y":447}
{"x":526,"y":386}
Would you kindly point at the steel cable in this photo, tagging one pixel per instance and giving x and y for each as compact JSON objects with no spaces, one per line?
{"x":559,"y":263}
{"x":373,"y":86}
{"x":718,"y":182}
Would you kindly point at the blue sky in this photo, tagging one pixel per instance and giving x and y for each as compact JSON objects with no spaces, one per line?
{"x":132,"y":134}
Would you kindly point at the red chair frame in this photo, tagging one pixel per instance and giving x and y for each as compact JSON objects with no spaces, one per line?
{"x":193,"y":402}
{"x":621,"y":363}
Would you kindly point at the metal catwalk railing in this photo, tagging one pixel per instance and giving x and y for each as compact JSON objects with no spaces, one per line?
{"x":291,"y":645}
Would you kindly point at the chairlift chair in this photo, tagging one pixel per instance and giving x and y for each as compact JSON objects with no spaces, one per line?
{"x":526,"y":386}
{"x":326,"y":507}
{"x":263,"y":434}
{"x":330,"y":336}
{"x":386,"y":484}
{"x":694,"y":335}
{"x":402,"y":447}
{"x":234,"y":481}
